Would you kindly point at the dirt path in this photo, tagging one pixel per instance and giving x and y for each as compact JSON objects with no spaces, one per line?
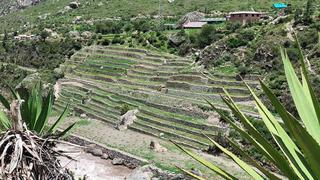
{"x":138,"y":144}
{"x":93,"y":167}
{"x":290,"y":30}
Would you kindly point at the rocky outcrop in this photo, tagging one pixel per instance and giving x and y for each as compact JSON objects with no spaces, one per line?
{"x":74,"y":5}
{"x":177,"y":39}
{"x":213,"y":53}
{"x":26,"y":3}
{"x":8,"y":6}
{"x":191,"y":17}
{"x":127,"y":119}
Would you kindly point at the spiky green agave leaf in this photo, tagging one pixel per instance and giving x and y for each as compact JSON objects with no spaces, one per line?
{"x":5,"y":123}
{"x":206,"y":163}
{"x":283,"y":140}
{"x":308,"y":145}
{"x":191,"y":174}
{"x":63,"y":115}
{"x":246,"y":167}
{"x":4,"y":102}
{"x":45,"y":111}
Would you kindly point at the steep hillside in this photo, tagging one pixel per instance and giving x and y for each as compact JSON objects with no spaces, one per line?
{"x":55,"y":10}
{"x":170,"y":95}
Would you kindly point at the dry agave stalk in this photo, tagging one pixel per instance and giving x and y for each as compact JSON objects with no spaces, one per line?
{"x":26,"y":156}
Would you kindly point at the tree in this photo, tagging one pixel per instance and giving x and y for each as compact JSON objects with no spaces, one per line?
{"x":307,"y":17}
{"x":44,"y":35}
{"x":206,"y":36}
{"x":297,"y":15}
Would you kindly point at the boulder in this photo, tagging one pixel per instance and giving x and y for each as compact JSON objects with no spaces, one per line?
{"x":127,"y":119}
{"x":86,"y":35}
{"x":77,"y":19}
{"x":66,"y":9}
{"x":143,"y":173}
{"x":83,"y":115}
{"x":97,"y":152}
{"x":74,"y":5}
{"x":117,"y":161}
{"x":105,"y":156}
{"x":177,"y":39}
{"x":74,"y":34}
{"x":214,"y":119}
{"x":155,"y":146}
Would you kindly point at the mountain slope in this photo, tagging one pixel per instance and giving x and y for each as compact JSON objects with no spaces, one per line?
{"x":127,"y":8}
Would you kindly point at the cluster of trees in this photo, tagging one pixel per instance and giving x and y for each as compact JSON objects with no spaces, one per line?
{"x":305,"y":16}
{"x":37,"y":53}
{"x":120,"y":26}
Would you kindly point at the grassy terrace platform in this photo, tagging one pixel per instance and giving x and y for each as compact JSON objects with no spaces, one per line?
{"x":169,"y":95}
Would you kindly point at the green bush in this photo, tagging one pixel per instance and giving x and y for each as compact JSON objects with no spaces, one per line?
{"x":208,"y":35}
{"x":105,"y":42}
{"x":233,"y":26}
{"x":235,"y":42}
{"x":124,"y":109}
{"x":309,"y":37}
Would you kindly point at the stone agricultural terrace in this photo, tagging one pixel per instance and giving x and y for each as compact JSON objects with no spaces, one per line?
{"x":166,"y":89}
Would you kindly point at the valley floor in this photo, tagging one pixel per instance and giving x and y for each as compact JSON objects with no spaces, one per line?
{"x":94,"y":168}
{"x":138,"y":144}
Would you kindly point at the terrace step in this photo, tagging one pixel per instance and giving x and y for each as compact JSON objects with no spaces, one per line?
{"x":174,"y":126}
{"x":174,"y":133}
{"x":200,"y":87}
{"x":209,"y":96}
{"x":175,"y":98}
{"x":144,"y":130}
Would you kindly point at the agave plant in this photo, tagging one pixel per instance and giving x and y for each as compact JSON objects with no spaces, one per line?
{"x":26,"y":152}
{"x":297,"y":151}
{"x":35,"y":109}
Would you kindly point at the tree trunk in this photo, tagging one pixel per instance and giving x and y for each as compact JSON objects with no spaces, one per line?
{"x":16,"y":115}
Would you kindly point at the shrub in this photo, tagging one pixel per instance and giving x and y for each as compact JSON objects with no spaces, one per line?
{"x":105,"y":42}
{"x":247,"y":35}
{"x":117,"y":40}
{"x":206,"y":36}
{"x":308,"y":38}
{"x":235,"y":42}
{"x":124,"y":109}
{"x":109,"y":27}
{"x":232,"y":26}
